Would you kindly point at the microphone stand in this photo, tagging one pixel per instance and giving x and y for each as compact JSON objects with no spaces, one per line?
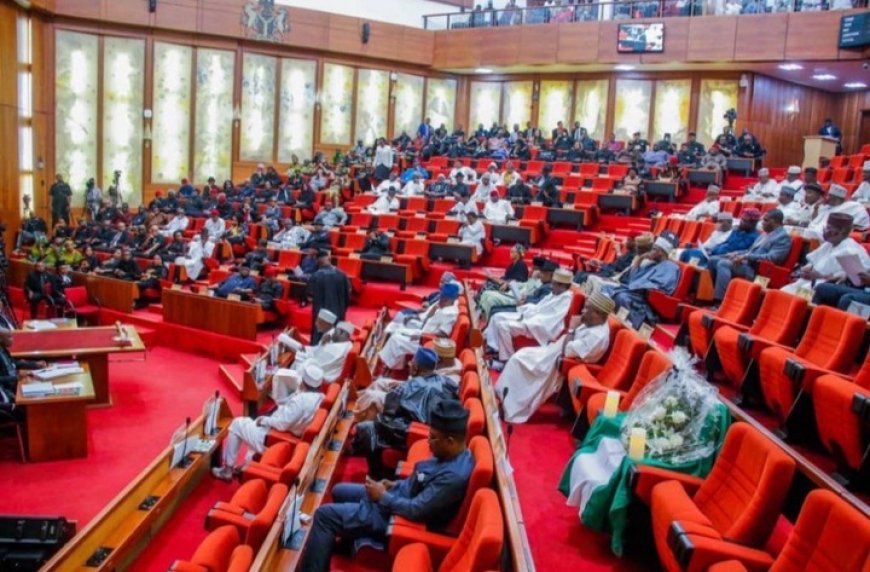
{"x":185,"y":461}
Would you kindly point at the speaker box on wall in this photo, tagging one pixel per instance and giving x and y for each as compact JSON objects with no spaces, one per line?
{"x":366,"y":32}
{"x":152,"y":5}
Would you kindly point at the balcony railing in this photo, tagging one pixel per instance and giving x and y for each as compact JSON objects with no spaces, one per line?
{"x":625,"y":10}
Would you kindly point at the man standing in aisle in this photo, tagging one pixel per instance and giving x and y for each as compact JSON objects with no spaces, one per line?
{"x":61,"y":196}
{"x":328,"y":288}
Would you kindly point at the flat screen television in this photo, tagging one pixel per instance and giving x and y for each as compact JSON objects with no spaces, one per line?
{"x":641,"y":38}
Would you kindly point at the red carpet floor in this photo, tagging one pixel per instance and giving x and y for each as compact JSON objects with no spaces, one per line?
{"x":150,"y":400}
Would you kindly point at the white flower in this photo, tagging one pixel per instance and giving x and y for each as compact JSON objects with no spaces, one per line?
{"x":679,"y":418}
{"x":670,"y":401}
{"x":676,"y":441}
{"x":658,"y":413}
{"x":659,"y":443}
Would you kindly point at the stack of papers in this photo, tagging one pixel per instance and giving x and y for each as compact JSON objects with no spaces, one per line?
{"x":37,"y":389}
{"x":71,"y":388}
{"x":59,"y":369}
{"x":40,"y":325}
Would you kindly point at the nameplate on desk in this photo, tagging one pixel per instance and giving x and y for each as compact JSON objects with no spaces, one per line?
{"x":452,"y":240}
{"x":762,"y":281}
{"x":622,"y":314}
{"x":175,"y":287}
{"x":354,"y":255}
{"x":419,"y":215}
{"x":536,"y":204}
{"x":645,"y":331}
{"x":362,"y":231}
{"x":234,"y":298}
{"x":209,"y":293}
{"x":513,"y":223}
{"x":568,"y":207}
{"x":421,"y":235}
{"x":387,"y":259}
{"x":805,"y":293}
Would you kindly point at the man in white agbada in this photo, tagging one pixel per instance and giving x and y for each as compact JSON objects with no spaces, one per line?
{"x":862,"y":193}
{"x":292,"y":235}
{"x":413,"y":188}
{"x":178,"y":222}
{"x":765,"y":190}
{"x":724,"y":226}
{"x":292,"y":416}
{"x":329,"y":355}
{"x":494,"y":177}
{"x":392,"y":183}
{"x":836,"y":202}
{"x":793,"y":180}
{"x":823,"y":264}
{"x":199,"y":248}
{"x":215,"y":225}
{"x":497,"y":210}
{"x":543,"y":321}
{"x":709,"y":207}
{"x":462,"y":207}
{"x":467,"y":172}
{"x":793,"y":212}
{"x":484,"y":187}
{"x":405,"y":331}
{"x":532,"y":375}
{"x":472,"y":232}
{"x":386,"y":203}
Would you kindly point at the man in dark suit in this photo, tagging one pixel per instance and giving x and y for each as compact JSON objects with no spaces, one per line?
{"x":37,"y":288}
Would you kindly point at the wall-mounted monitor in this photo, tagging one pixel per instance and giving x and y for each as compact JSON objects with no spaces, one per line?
{"x":641,"y":38}
{"x":855,"y":30}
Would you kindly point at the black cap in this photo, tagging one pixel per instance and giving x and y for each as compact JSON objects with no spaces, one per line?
{"x":449,"y":416}
{"x":814,"y":187}
{"x":812,"y":170}
{"x":549,"y":266}
{"x":323,"y":252}
{"x":538,"y":261}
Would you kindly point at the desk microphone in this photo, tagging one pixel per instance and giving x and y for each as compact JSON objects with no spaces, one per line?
{"x":293,"y":530}
{"x":510,"y":426}
{"x":185,"y":462}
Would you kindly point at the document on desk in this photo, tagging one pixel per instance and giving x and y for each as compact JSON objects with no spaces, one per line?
{"x":40,"y":325}
{"x":71,"y":388}
{"x":37,"y":389}
{"x":59,"y":369}
{"x":851,"y":265}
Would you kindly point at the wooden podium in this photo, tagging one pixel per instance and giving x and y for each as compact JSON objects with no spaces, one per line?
{"x":816,"y":147}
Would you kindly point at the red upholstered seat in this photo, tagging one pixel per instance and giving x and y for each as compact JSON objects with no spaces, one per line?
{"x":280,"y":463}
{"x":311,"y":431}
{"x":652,"y":365}
{"x":781,"y":275}
{"x":666,"y":305}
{"x":739,"y":306}
{"x":477,"y":549}
{"x":830,"y":536}
{"x":617,"y":372}
{"x":219,"y":552}
{"x":738,"y":502}
{"x":830,"y":343}
{"x":779,"y":321}
{"x":252,"y":510}
{"x":838,"y":418}
{"x":77,"y":296}
{"x":468,"y":359}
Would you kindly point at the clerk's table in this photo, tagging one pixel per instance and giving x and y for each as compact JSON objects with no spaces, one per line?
{"x":56,"y":425}
{"x":89,"y":345}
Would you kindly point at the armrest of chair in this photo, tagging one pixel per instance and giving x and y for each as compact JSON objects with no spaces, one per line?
{"x":642,"y":479}
{"x":228,"y":508}
{"x":664,"y":305}
{"x":413,"y":557}
{"x":805,"y":374}
{"x":401,"y":534}
{"x":752,"y":346}
{"x":696,"y":553}
{"x":684,"y":309}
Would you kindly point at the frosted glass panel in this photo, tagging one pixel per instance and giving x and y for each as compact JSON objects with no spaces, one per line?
{"x":441,"y":102}
{"x":171,"y":123}
{"x":717,"y":97}
{"x":672,"y":109}
{"x":632,"y":108}
{"x":373,"y":91}
{"x":517,"y":103}
{"x":258,"y":107}
{"x":337,"y":104}
{"x":123,"y":78}
{"x":213,"y":132}
{"x":485,"y":104}
{"x":554,"y":104}
{"x":590,"y":106}
{"x":408,"y":105}
{"x":76,"y":109}
{"x":296,"y":127}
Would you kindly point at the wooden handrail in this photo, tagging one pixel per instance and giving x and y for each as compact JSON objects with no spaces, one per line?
{"x":125,"y":525}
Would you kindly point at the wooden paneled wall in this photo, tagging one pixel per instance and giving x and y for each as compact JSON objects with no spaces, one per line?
{"x":768,"y":37}
{"x":849,"y":109}
{"x":9,"y":182}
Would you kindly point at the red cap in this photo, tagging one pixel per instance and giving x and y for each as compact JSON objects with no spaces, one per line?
{"x":493,"y":193}
{"x":270,"y":272}
{"x":673,"y":160}
{"x":215,"y":212}
{"x":158,"y":193}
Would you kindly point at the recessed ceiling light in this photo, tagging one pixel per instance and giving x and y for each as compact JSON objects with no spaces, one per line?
{"x":482,"y":70}
{"x":623,"y":67}
{"x":790,"y":67}
{"x":824,"y":77}
{"x":855,"y":85}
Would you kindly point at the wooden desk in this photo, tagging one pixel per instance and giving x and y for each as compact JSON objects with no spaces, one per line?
{"x":227,"y":317}
{"x":452,"y":251}
{"x":624,"y":202}
{"x":511,"y":233}
{"x":90,"y":345}
{"x":704,"y":177}
{"x":125,"y":526}
{"x":56,"y":426}
{"x":665,"y":189}
{"x":746,"y":165}
{"x":386,"y":271}
{"x":572,"y":217}
{"x":253,"y":393}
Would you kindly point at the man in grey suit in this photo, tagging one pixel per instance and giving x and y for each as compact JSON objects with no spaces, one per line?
{"x":773,"y":246}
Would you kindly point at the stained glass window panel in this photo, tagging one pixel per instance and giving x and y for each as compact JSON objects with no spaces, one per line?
{"x":296,"y":127}
{"x":258,"y":107}
{"x":717,"y":97}
{"x":517,"y":103}
{"x":408,"y":105}
{"x":485,"y":104}
{"x":672,"y":109}
{"x":123,"y":88}
{"x":373,"y":92}
{"x":441,"y":102}
{"x":632,"y":108}
{"x":336,"y":105}
{"x":554,"y":104}
{"x":76,"y":109}
{"x":590,"y":106}
{"x":171,"y":124}
{"x":213,"y":131}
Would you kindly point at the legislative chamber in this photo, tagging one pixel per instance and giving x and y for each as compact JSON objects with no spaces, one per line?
{"x":409,"y":285}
